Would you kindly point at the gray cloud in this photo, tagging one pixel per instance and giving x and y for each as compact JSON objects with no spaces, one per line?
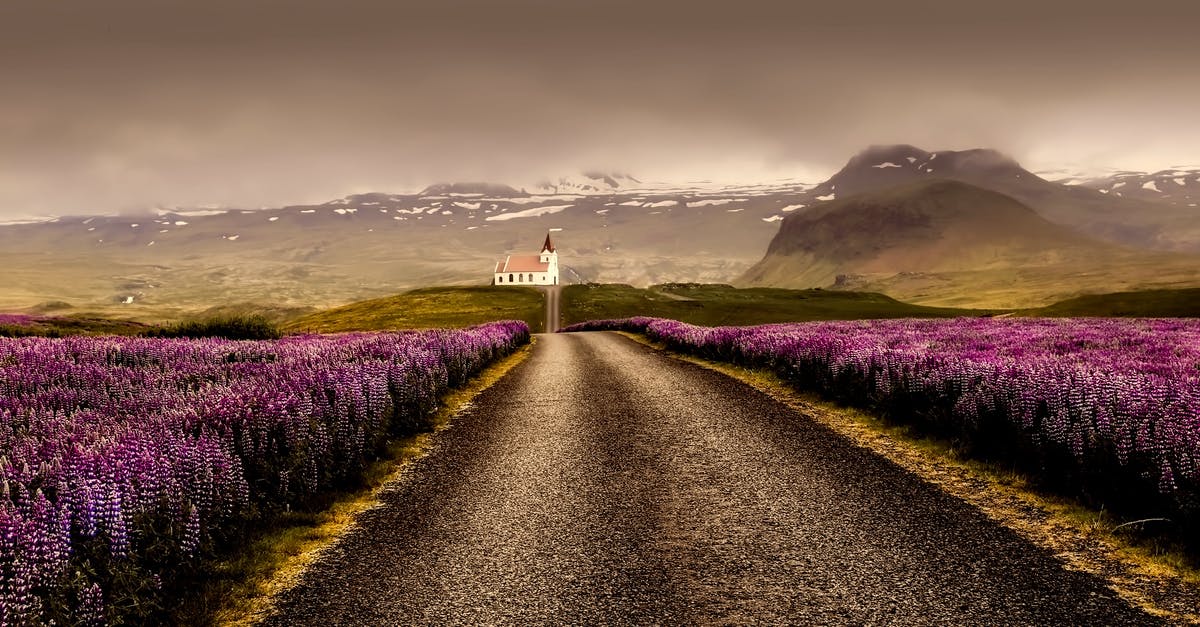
{"x":122,"y":104}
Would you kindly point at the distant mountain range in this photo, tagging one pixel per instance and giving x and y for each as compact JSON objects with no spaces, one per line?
{"x":365,"y":245}
{"x":1177,"y":186}
{"x":895,"y":218}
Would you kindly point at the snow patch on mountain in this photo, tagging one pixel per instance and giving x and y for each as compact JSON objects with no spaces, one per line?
{"x":532,"y":212}
{"x":714,"y":201}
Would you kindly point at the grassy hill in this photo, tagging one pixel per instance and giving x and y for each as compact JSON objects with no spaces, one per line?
{"x":1182,"y":303}
{"x":57,"y":326}
{"x":705,"y":304}
{"x":708,"y":304}
{"x":427,"y":308}
{"x":713,"y":305}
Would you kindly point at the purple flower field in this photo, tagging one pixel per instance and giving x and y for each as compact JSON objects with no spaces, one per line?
{"x":1102,"y":404}
{"x":124,"y":462}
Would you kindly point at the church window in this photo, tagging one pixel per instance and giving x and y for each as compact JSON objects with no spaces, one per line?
{"x":510,"y":278}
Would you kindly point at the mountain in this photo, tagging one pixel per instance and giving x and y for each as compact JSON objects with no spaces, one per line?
{"x":1179,"y":186}
{"x":946,"y":242}
{"x":167,"y":262}
{"x":937,"y":225}
{"x":1135,"y":222}
{"x":611,"y":228}
{"x":880,"y":167}
{"x":593,"y":182}
{"x":465,"y":189}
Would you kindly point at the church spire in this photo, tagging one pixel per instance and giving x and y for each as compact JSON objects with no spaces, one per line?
{"x":548,"y":246}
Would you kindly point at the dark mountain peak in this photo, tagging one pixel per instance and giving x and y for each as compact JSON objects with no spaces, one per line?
{"x":899,"y":154}
{"x":368,"y":197}
{"x":487,"y":189}
{"x":880,"y":167}
{"x":979,"y":159}
{"x":911,"y":158}
{"x":612,"y":179}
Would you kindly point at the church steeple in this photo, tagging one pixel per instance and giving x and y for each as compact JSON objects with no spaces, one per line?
{"x":548,"y":247}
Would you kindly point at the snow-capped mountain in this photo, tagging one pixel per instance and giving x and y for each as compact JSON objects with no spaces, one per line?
{"x":1179,"y":186}
{"x":593,"y":182}
{"x":378,"y":243}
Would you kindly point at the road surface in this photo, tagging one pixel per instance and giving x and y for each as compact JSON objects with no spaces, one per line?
{"x":603,"y":482}
{"x":553,"y":294}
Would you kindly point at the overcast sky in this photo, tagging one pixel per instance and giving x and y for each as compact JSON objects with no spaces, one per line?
{"x":123,"y":104}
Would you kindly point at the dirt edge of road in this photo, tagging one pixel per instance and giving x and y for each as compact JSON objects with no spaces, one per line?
{"x":1081,"y":538}
{"x":286,"y":553}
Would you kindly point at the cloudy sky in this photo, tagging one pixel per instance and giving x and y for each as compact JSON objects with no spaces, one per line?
{"x":121,"y":104}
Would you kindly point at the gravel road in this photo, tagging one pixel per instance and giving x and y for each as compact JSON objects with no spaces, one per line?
{"x":553,"y":296}
{"x":603,"y":482}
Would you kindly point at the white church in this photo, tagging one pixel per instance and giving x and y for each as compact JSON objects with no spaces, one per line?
{"x":539,"y":269}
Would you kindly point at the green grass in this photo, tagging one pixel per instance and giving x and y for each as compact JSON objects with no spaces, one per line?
{"x":428,"y":308}
{"x":705,"y":304}
{"x":273,"y":313}
{"x":231,"y":327}
{"x":715,"y":305}
{"x":1178,"y":303}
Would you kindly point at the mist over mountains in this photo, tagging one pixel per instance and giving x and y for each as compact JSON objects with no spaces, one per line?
{"x":950,"y":227}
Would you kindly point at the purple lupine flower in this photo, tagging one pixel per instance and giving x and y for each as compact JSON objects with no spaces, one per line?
{"x":98,"y":433}
{"x":1125,"y":389}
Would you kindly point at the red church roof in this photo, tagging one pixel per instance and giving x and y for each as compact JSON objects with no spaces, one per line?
{"x":527,"y":263}
{"x":523,"y":263}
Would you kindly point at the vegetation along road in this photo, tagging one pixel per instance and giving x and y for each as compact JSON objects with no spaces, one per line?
{"x":603,"y":482}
